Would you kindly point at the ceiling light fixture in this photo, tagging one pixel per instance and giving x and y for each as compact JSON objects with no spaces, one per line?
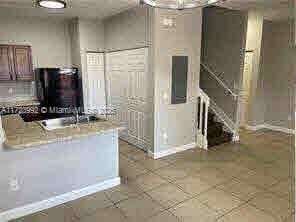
{"x":52,"y":4}
{"x":179,"y":4}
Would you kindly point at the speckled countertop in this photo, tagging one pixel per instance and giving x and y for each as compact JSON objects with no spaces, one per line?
{"x":20,"y":134}
{"x":20,"y":102}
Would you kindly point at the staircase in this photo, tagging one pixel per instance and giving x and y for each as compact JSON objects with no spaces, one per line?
{"x":211,"y":132}
{"x":215,"y":133}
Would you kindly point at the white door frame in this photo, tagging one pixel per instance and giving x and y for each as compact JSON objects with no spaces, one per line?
{"x":246,"y":87}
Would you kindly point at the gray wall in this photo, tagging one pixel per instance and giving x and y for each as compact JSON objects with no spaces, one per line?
{"x":175,"y":121}
{"x":50,"y":42}
{"x":128,"y":29}
{"x":55,"y":169}
{"x":91,"y":35}
{"x":278,"y":73}
{"x":254,"y":43}
{"x":49,"y":39}
{"x":223,"y":41}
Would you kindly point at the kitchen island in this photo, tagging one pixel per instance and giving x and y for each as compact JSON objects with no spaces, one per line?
{"x":41,"y":169}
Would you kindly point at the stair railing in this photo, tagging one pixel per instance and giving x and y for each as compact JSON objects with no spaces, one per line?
{"x":203,"y":103}
{"x":230,"y":124}
{"x":234,"y":95}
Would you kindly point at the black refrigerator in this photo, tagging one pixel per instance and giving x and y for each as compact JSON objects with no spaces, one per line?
{"x":59,"y":91}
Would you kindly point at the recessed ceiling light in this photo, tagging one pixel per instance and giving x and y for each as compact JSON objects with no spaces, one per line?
{"x":52,"y":4}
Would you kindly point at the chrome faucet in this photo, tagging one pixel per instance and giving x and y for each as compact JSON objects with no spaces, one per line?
{"x":76,"y":115}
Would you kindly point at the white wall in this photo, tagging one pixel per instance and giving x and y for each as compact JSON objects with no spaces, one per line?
{"x":253,"y":43}
{"x":127,"y":30}
{"x":49,"y":39}
{"x":54,"y":169}
{"x":91,"y":35}
{"x":278,"y":74}
{"x":86,"y":35}
{"x":176,"y":121}
{"x":223,"y":42}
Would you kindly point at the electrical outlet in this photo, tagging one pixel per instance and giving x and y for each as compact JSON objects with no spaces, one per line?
{"x":165,"y":138}
{"x":289,"y":118}
{"x":14,"y":184}
{"x":10,"y":90}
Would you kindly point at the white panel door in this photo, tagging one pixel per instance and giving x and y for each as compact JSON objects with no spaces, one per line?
{"x":96,"y":96}
{"x":130,"y":93}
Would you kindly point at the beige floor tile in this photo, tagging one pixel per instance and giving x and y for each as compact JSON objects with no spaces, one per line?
{"x":168,"y":195}
{"x":283,"y":189}
{"x":130,"y":170}
{"x":240,"y":189}
{"x":278,"y":172}
{"x":274,"y":205}
{"x":125,"y":147}
{"x":258,"y":178}
{"x":247,"y":213}
{"x":110,"y":214}
{"x":38,"y":217}
{"x":193,"y":167}
{"x":213,"y":176}
{"x":193,"y":185}
{"x":136,"y":154}
{"x":89,"y":204}
{"x":152,"y":164}
{"x":59,"y":213}
{"x":164,"y":216}
{"x":148,"y":181}
{"x":231,"y":168}
{"x":122,"y":192}
{"x":139,"y":208}
{"x":172,"y":172}
{"x":194,"y":211}
{"x":290,"y":218}
{"x":219,"y":200}
{"x":180,"y":156}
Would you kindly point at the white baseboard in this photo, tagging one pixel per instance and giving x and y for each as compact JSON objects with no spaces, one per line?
{"x":271,"y":127}
{"x":55,"y":201}
{"x":255,"y":128}
{"x":171,"y":151}
{"x":280,"y":129}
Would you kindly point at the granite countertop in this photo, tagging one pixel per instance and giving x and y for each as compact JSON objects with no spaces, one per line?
{"x":20,"y":102}
{"x":21,"y":135}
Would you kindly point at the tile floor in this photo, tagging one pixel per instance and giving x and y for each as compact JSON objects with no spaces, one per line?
{"x":246,"y":182}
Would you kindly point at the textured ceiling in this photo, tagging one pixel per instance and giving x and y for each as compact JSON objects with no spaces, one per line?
{"x":76,"y":8}
{"x":272,"y":9}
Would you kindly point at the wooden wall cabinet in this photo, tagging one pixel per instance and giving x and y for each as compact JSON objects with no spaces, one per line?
{"x":16,"y":63}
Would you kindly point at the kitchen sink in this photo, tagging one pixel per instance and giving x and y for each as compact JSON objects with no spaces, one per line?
{"x":59,"y":123}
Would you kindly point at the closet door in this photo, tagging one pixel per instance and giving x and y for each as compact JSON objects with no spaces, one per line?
{"x":117,"y":89}
{"x":96,"y":95}
{"x":128,"y":92}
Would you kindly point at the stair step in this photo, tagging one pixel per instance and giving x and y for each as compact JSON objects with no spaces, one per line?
{"x":211,"y":117}
{"x":215,"y":129}
{"x":225,"y":137}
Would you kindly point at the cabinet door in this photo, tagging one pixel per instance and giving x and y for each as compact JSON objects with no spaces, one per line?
{"x":5,"y":63}
{"x":23,"y":62}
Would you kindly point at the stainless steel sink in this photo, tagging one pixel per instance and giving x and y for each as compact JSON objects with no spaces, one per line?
{"x":52,"y":124}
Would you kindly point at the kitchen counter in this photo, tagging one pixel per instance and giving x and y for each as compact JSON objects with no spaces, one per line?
{"x":21,"y":135}
{"x":18,"y":103}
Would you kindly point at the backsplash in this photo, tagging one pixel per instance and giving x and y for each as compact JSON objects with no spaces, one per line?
{"x":17,"y":90}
